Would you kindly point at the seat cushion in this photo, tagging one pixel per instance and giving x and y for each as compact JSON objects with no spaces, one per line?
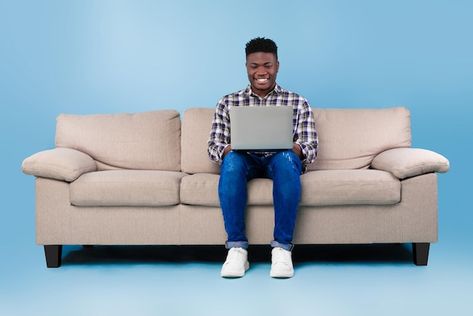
{"x":201,"y":189}
{"x":126,"y":188}
{"x":349,"y":187}
{"x":319,"y":188}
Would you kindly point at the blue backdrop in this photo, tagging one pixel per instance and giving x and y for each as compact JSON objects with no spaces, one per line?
{"x":129,"y":56}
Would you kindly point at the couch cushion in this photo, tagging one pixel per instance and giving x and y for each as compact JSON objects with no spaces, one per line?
{"x":148,"y":140}
{"x":126,"y":188}
{"x":409,"y":162}
{"x":350,"y":138}
{"x":196,"y":125}
{"x":201,"y":189}
{"x":350,"y":187}
{"x":59,"y":163}
{"x":319,"y":188}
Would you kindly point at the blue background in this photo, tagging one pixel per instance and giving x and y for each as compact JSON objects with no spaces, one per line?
{"x":128,"y":56}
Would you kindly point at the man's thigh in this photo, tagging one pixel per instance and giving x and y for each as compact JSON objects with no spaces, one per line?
{"x":285,"y":160}
{"x":244,"y":162}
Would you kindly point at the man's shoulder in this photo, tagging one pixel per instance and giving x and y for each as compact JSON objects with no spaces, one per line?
{"x":291,"y":95}
{"x":234,"y":98}
{"x":237,"y":94}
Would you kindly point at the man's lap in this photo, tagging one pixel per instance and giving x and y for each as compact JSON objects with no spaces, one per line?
{"x":256,"y":166}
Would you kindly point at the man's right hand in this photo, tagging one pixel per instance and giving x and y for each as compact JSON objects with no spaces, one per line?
{"x":227,"y":150}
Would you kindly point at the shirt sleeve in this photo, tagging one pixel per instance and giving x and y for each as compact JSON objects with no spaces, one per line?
{"x":306,"y":134}
{"x":219,"y":133}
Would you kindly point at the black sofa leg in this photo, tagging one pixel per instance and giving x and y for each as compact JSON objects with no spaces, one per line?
{"x":53,"y":255}
{"x":420,"y":252}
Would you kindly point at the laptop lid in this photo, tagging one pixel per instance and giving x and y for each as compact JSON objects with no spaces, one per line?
{"x":263,"y":128}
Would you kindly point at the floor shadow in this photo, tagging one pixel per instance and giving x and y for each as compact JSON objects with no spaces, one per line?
{"x":354,"y":253}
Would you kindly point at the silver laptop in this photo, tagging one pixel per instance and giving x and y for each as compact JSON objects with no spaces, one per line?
{"x":261,"y":128}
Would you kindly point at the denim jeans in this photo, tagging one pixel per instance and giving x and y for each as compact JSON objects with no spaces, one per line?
{"x":237,"y":168}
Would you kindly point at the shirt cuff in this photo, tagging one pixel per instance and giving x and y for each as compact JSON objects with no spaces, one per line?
{"x":222,"y":150}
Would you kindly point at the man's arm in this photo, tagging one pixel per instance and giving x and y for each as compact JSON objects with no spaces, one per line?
{"x":219,"y":140}
{"x":306,"y":135}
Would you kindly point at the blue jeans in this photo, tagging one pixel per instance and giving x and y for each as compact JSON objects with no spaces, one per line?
{"x":237,"y":168}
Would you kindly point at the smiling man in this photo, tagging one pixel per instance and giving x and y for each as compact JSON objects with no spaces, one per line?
{"x":283,"y":167}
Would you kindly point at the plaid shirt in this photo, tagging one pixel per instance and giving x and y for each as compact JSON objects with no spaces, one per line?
{"x":303,"y":121}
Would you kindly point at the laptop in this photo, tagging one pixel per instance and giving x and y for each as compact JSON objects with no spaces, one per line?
{"x":261,"y":128}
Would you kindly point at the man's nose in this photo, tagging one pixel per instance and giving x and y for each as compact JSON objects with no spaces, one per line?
{"x":261,"y":72}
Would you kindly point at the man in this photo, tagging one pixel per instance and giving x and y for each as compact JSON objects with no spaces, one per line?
{"x":284,"y":168}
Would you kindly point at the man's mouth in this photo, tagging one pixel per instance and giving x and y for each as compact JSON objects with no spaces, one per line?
{"x":262,"y":80}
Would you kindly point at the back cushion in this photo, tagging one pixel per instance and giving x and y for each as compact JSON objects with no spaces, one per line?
{"x":350,"y":138}
{"x":196,"y":126}
{"x":148,"y":140}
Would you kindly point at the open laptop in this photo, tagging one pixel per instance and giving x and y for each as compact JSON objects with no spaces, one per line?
{"x":261,"y":128}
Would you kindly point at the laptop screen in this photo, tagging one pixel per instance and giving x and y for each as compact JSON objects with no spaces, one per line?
{"x":262,"y":128}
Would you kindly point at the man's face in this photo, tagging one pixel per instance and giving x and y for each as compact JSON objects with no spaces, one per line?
{"x":262,"y":70}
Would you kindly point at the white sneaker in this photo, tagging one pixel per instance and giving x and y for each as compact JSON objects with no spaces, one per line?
{"x":236,"y":264}
{"x":281,"y":266}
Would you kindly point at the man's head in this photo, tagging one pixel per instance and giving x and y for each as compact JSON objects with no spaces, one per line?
{"x":262,"y":65}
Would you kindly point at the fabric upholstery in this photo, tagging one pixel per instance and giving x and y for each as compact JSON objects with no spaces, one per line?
{"x":126,"y":188}
{"x":319,"y":188}
{"x":351,"y":138}
{"x":201,"y":189}
{"x":349,"y":187}
{"x":58,"y":222}
{"x":160,"y":206}
{"x":149,"y":140}
{"x":59,"y":163}
{"x":409,"y":162}
{"x":195,"y":134}
{"x":348,"y":138}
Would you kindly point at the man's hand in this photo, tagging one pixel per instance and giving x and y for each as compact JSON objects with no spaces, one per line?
{"x":227,"y":150}
{"x":297,"y":150}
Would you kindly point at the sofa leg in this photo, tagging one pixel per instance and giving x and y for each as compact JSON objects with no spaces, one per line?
{"x":420,"y":252}
{"x":53,"y":255}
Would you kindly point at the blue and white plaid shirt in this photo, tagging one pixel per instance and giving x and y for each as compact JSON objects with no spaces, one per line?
{"x":303,"y":120}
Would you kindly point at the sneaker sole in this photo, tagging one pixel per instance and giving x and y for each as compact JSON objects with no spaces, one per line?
{"x":232,"y":275}
{"x":281,"y":275}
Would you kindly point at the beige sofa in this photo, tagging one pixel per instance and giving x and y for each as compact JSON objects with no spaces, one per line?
{"x":145,"y":179}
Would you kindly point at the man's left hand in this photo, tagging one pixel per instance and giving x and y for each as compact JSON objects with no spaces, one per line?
{"x":297,"y":150}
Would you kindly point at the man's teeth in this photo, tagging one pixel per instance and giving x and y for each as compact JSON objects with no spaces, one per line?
{"x":262,"y":80}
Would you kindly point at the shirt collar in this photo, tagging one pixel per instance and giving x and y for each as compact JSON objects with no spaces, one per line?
{"x":277,"y":89}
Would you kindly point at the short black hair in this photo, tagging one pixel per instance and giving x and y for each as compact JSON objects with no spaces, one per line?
{"x":261,"y":44}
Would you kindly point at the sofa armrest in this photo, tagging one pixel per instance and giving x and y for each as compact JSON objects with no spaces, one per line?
{"x":59,"y":163}
{"x":410,"y":162}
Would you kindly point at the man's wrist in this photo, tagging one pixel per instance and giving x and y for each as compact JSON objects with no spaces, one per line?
{"x":297,"y":149}
{"x":227,"y":149}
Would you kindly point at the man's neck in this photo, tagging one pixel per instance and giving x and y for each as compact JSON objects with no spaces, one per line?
{"x":262,"y":94}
